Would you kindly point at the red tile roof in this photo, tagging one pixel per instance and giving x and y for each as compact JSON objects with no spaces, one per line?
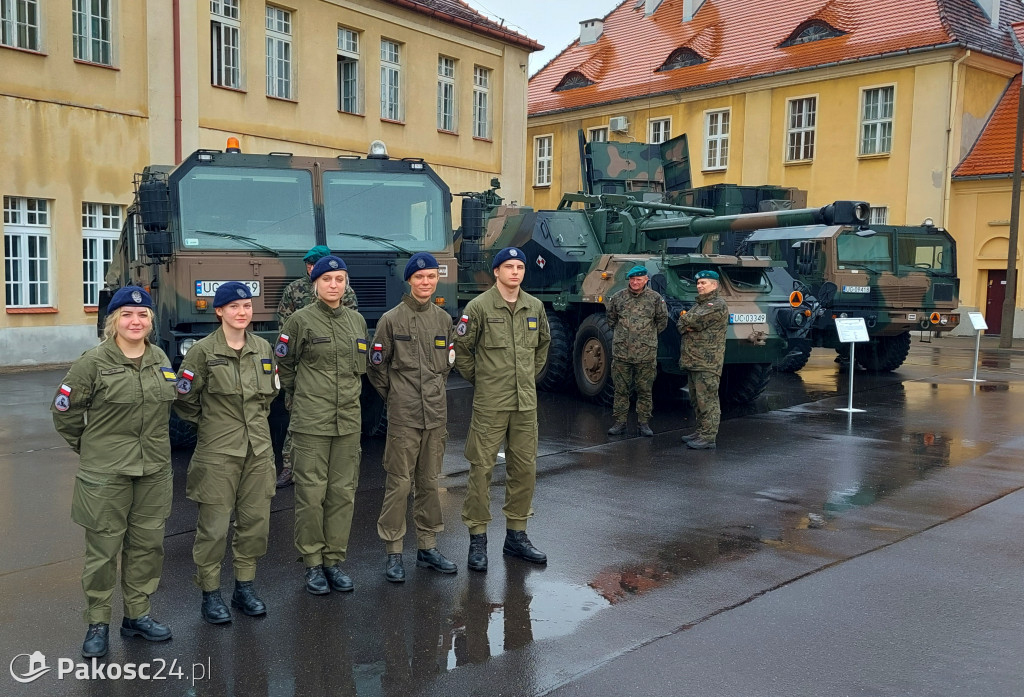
{"x":740,"y":40}
{"x":459,"y":13}
{"x":992,"y":153}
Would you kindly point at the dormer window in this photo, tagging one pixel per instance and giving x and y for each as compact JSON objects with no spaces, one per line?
{"x":572,"y":80}
{"x":815,"y":30}
{"x":681,"y":58}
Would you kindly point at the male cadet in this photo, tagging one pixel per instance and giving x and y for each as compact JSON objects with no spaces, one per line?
{"x":410,"y":358}
{"x":297,"y":295}
{"x":701,"y":354}
{"x":501,"y":346}
{"x":637,"y":315}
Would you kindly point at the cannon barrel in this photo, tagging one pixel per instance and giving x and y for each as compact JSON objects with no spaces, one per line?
{"x":838,"y":213}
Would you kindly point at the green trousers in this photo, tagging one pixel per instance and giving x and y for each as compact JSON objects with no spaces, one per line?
{"x":412,"y":460}
{"x":487,"y":431}
{"x":222,"y":484}
{"x":121,"y":515}
{"x":703,"y":388}
{"x":326,"y":473}
{"x":630,"y":377}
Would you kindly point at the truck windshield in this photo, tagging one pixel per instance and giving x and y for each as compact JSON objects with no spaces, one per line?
{"x":925,"y":251}
{"x":746,"y":278}
{"x":407,"y":209}
{"x":873,"y":252}
{"x":241,"y":208}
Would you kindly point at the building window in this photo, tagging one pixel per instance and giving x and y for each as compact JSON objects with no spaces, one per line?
{"x":390,"y":80}
{"x":598,"y":135}
{"x":481,"y":102}
{"x":573,"y":80}
{"x":878,"y":215}
{"x":716,"y":139}
{"x":101,"y":224}
{"x":26,"y":252}
{"x":91,"y":30}
{"x":800,"y":131}
{"x":445,"y":93}
{"x":542,"y":157}
{"x":681,"y":58}
{"x":279,"y":53}
{"x":225,"y":44}
{"x":19,"y":24}
{"x":348,"y":71}
{"x":814,"y":30}
{"x":659,"y":130}
{"x":876,"y":121}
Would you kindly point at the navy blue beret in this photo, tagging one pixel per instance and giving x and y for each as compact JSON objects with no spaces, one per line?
{"x":418,"y":262}
{"x":230,"y":292}
{"x":328,"y":263}
{"x":513,"y":253}
{"x":132,"y":296}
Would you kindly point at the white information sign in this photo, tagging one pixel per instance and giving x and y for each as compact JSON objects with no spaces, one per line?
{"x":977,"y":321}
{"x":851,"y":329}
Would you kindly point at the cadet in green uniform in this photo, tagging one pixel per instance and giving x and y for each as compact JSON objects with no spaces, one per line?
{"x":298,"y":294}
{"x":410,"y":358}
{"x":226,"y":384}
{"x":113,"y":410}
{"x":321,"y":358}
{"x":501,"y":346}
{"x":701,"y":354}
{"x":637,"y":315}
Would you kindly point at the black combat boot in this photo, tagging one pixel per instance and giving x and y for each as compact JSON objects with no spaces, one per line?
{"x":431,"y":558}
{"x":338,"y":579}
{"x":394,"y":570}
{"x":517,"y":544}
{"x":645,"y":429}
{"x":214,"y":610}
{"x":145,"y":627}
{"x":285,"y":478}
{"x":477,"y":552}
{"x":699,"y":443}
{"x":617,"y":429}
{"x":245,"y":599}
{"x":316,"y":582}
{"x":96,"y":641}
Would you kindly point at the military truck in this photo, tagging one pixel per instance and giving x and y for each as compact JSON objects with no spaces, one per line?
{"x":232,"y":216}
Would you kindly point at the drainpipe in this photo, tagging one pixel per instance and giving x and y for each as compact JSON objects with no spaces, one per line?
{"x":951,"y":151}
{"x":176,"y":30}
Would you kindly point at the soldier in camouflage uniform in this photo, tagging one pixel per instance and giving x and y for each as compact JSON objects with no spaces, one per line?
{"x":701,"y":354}
{"x":637,"y":315}
{"x":297,"y":295}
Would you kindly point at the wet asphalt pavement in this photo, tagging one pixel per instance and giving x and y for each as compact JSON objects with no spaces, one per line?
{"x":814,"y":552}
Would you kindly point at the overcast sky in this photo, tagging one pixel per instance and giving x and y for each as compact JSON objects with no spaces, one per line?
{"x":553,"y":23}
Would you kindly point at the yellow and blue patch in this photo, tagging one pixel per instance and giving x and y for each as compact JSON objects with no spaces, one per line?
{"x":168,"y":374}
{"x":531,"y":323}
{"x":268,"y":366}
{"x":441,"y":342}
{"x":361,"y":345}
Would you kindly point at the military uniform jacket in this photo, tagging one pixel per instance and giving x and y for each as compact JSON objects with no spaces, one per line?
{"x":501,"y":352}
{"x":410,"y":358}
{"x":114,"y":414}
{"x":321,"y":357}
{"x":228,"y":395}
{"x":703,"y":348}
{"x":637,"y":319}
{"x":299,"y":293}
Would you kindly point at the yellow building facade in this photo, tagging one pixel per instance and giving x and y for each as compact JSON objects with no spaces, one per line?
{"x":90,"y":93}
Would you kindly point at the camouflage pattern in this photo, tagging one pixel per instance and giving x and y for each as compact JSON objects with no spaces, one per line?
{"x":707,"y":411}
{"x":636,"y":319}
{"x":619,"y":168}
{"x":703,"y":330}
{"x":300,"y":293}
{"x":629,"y":377}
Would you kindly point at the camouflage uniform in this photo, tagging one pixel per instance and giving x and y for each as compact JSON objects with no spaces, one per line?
{"x":701,"y":354}
{"x":637,"y":319}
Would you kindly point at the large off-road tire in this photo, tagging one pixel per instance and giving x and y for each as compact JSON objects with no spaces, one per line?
{"x":883,"y":354}
{"x":742,"y":383}
{"x":183,"y":433}
{"x":797,"y":357}
{"x":374,"y":411}
{"x":555,"y":376}
{"x":592,"y":359}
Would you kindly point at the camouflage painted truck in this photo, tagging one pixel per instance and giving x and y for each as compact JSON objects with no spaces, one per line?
{"x":577,"y":258}
{"x":233,"y":216}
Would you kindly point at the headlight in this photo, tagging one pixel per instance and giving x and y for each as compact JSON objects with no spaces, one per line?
{"x":185,"y":345}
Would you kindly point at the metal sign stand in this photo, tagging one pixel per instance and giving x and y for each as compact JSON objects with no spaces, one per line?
{"x":978,"y":324}
{"x":851,"y":330}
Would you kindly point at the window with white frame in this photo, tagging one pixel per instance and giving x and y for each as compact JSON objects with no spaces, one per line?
{"x":878,"y":215}
{"x":659,"y":130}
{"x":390,"y":80}
{"x":876,"y":120}
{"x":800,"y":128}
{"x":26,"y":252}
{"x":349,"y":83}
{"x":481,"y":102}
{"x":225,"y":44}
{"x":598,"y":135}
{"x":542,"y":157}
{"x":279,"y":53}
{"x":19,"y":24}
{"x":90,"y":21}
{"x":445,"y":93}
{"x":716,"y":139}
{"x":101,"y":225}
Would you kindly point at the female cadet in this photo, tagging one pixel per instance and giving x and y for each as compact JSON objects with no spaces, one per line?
{"x":226,"y":385}
{"x":322,"y":356}
{"x":113,"y":409}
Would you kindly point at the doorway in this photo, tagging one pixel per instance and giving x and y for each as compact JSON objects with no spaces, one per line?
{"x":994,"y":297}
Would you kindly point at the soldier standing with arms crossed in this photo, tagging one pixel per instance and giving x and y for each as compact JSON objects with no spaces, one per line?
{"x":637,"y":315}
{"x":410,"y":359}
{"x":501,"y":346}
{"x":701,"y":354}
{"x":298,"y":294}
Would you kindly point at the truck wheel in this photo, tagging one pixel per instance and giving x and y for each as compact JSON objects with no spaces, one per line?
{"x":742,"y":383}
{"x":592,"y":359}
{"x":183,"y":434}
{"x":555,"y":376}
{"x":883,"y":354}
{"x":799,"y":354}
{"x":374,"y":411}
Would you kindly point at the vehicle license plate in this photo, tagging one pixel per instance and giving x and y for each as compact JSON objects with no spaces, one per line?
{"x":748,"y":318}
{"x":208,"y":289}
